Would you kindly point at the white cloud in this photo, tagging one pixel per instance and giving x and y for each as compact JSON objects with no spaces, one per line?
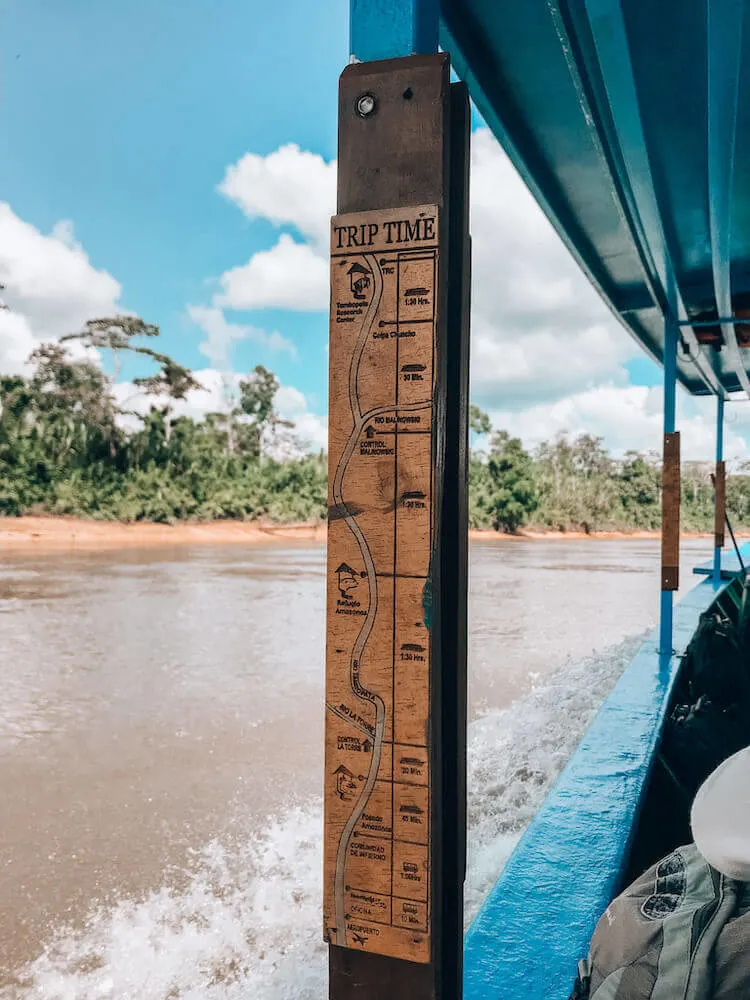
{"x":17,"y":341}
{"x":64,"y":231}
{"x":208,"y":399}
{"x":541,"y":364}
{"x":630,"y":418}
{"x":288,"y":187}
{"x":51,"y":288}
{"x":547,"y":355}
{"x":539,"y":330}
{"x":290,"y":401}
{"x":221,"y":335}
{"x":289,"y":276}
{"x":310,"y":431}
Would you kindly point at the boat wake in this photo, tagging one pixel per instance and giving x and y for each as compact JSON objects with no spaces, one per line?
{"x":249,"y":925}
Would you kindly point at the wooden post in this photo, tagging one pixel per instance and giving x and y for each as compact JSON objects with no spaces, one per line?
{"x":670,"y":490}
{"x":670,"y":531}
{"x":395,"y":812}
{"x":721,"y":504}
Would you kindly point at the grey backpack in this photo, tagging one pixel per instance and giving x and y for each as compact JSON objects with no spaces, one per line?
{"x":680,"y":932}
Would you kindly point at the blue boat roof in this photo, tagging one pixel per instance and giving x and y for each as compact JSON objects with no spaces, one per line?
{"x":632,"y":130}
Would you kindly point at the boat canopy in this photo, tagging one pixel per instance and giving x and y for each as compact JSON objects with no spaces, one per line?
{"x":630,"y":123}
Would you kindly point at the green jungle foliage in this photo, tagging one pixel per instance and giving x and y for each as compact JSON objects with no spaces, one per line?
{"x":69,"y":446}
{"x":574,"y":484}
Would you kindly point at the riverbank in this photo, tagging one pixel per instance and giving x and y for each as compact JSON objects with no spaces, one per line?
{"x":542,"y":535}
{"x":64,"y":533}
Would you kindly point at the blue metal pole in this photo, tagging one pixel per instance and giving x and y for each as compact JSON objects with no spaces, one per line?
{"x":719,"y":458}
{"x":388,"y":29}
{"x":671,"y":336}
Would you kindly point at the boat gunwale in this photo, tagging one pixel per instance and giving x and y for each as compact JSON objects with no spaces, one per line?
{"x":554,"y":887}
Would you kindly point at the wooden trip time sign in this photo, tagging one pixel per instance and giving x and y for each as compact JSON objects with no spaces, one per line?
{"x":384,"y":268}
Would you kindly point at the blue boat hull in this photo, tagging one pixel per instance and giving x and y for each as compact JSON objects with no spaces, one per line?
{"x":606,"y":819}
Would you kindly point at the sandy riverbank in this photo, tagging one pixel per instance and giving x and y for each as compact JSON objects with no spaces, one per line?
{"x":63,"y":533}
{"x":60,"y":533}
{"x":567,"y":536}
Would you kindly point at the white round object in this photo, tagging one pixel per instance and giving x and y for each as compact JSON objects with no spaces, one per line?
{"x":720,"y":817}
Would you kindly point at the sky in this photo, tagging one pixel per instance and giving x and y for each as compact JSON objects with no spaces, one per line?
{"x":178,"y":161}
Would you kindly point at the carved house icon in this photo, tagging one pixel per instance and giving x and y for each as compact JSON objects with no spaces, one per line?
{"x":346,"y":784}
{"x":359,"y":278}
{"x":348,"y":579}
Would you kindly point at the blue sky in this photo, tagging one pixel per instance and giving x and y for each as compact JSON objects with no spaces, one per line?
{"x":120,"y":121}
{"x":123,"y":116}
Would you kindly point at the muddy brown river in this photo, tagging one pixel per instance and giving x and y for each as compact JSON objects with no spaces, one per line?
{"x":161,"y":722}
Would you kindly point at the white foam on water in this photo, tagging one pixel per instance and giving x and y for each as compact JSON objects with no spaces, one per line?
{"x":248,"y":927}
{"x":515,"y":755}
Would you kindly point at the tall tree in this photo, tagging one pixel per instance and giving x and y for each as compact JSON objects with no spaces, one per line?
{"x":479,"y":421}
{"x":74,"y":404}
{"x":172,"y":382}
{"x":514,"y":494}
{"x":257,"y":396}
{"x":114,"y":333}
{"x":639,"y":483}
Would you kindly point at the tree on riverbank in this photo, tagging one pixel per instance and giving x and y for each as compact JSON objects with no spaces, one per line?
{"x":70,"y":445}
{"x":513,"y":492}
{"x":577,"y":485}
{"x":67,"y":446}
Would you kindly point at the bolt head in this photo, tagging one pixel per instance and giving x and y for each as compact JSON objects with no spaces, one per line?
{"x":365,"y":105}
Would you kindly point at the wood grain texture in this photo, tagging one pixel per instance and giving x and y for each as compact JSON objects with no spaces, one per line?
{"x":398,"y":156}
{"x":720,"y":487}
{"x":670,"y":513}
{"x":410,"y":155}
{"x":384,"y":285}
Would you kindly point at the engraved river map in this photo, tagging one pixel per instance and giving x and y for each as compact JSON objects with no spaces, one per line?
{"x":384,"y":269}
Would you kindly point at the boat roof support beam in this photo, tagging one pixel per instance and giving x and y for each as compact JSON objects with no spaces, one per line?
{"x":724,"y":59}
{"x":388,"y":29}
{"x":719,"y":491}
{"x":699,"y":323}
{"x":609,"y":34}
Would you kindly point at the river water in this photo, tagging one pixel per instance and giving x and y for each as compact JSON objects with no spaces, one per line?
{"x":161,"y":717}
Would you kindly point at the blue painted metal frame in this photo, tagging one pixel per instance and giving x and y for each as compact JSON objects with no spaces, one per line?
{"x":724,"y":60}
{"x":594,"y":115}
{"x":539,"y":917}
{"x":606,"y":22}
{"x":719,"y":458}
{"x":387,"y":29}
{"x":480,"y":77}
{"x":730,"y":566}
